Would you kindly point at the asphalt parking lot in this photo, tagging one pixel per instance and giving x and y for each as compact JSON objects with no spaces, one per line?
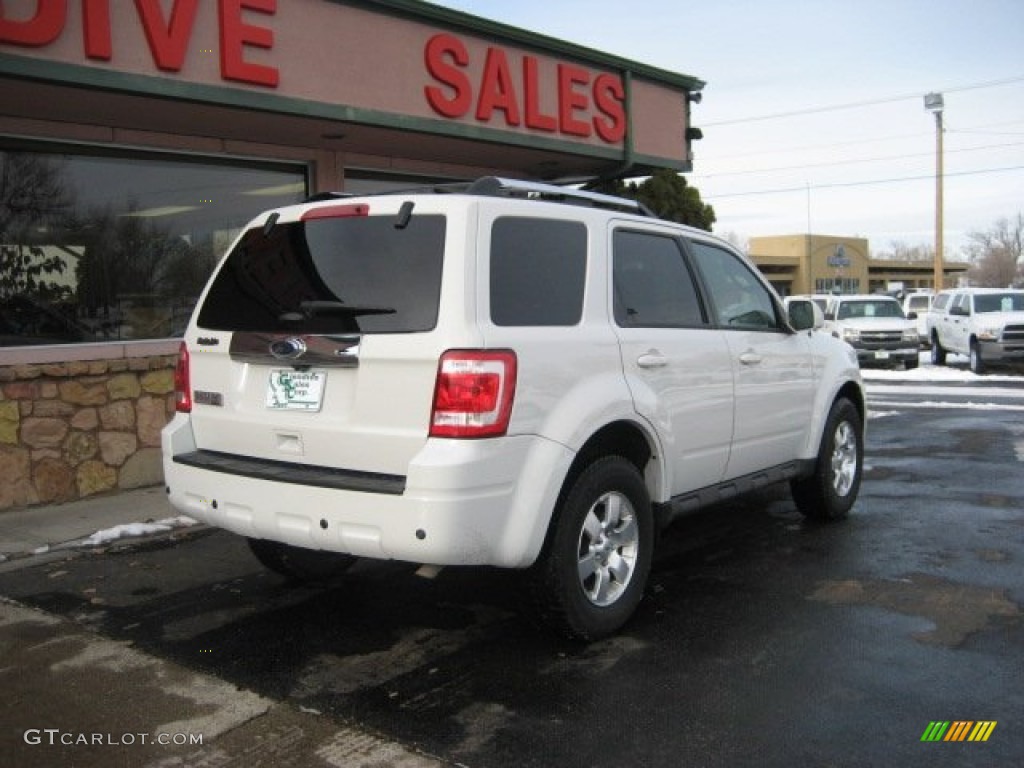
{"x":762,"y":640}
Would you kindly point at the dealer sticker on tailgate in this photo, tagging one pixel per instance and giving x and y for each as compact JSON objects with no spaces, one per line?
{"x":296,"y":390}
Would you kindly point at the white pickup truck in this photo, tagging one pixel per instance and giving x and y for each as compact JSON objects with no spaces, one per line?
{"x":985,"y":324}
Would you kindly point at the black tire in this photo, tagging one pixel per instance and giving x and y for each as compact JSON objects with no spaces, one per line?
{"x":938,"y":354}
{"x":298,"y":563}
{"x":591,"y":574}
{"x":976,"y":362}
{"x":911,"y":364}
{"x":829,"y":493}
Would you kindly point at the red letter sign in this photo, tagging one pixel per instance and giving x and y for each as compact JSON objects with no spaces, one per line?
{"x":96,"y":29}
{"x":235,"y":35}
{"x":438,"y":48}
{"x":497,"y":91}
{"x":531,"y":94}
{"x":168,"y":42}
{"x":609,"y":98}
{"x":41,"y":29}
{"x":571,"y":101}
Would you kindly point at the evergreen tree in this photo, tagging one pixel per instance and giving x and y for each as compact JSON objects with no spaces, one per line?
{"x":667,"y":194}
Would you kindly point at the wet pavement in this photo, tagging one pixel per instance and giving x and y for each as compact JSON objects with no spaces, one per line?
{"x":762,"y":640}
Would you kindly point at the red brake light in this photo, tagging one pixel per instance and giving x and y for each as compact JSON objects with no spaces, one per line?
{"x":182,"y":382}
{"x":337,"y":211}
{"x":473,"y":393}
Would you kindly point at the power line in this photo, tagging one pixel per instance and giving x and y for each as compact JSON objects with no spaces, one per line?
{"x":805,"y":187}
{"x":775,"y":150}
{"x":858,"y":104}
{"x":856,"y":161}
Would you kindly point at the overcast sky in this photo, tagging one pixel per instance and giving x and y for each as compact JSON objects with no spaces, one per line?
{"x":866,"y":170}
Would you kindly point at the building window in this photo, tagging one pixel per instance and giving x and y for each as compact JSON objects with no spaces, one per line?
{"x":837,"y":285}
{"x":105,"y":247}
{"x":371,"y":182}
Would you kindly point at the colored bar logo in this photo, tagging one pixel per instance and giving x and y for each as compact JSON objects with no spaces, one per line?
{"x":959,"y":730}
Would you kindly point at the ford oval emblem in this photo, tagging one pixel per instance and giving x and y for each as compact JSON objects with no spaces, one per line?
{"x":288,"y":349}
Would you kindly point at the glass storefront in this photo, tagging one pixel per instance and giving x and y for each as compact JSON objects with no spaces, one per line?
{"x":837,"y":285}
{"x":103,"y":247}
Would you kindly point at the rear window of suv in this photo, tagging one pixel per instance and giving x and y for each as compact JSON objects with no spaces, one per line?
{"x":332,"y":275}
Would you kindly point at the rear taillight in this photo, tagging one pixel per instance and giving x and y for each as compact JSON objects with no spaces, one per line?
{"x":182,"y":382}
{"x":473,"y":393}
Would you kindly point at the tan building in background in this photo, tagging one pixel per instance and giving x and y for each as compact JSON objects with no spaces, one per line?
{"x":801,"y":264}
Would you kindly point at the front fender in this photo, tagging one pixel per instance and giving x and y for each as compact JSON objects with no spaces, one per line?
{"x":838,"y":372}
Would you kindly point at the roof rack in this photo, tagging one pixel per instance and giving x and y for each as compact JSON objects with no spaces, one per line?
{"x":501,"y":187}
{"x":495,"y":186}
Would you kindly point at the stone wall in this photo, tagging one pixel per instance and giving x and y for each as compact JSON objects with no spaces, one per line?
{"x":69,"y":430}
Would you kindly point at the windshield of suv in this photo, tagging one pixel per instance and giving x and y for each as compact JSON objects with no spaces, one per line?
{"x":869,"y":308}
{"x":331,"y":275}
{"x":999,"y":302}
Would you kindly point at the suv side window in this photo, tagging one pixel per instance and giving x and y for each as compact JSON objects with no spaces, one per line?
{"x":538,"y":269}
{"x":941,"y":300}
{"x":652,"y":285}
{"x":740,"y":300}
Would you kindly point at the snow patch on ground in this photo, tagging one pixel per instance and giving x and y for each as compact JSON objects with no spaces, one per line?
{"x":123,"y":531}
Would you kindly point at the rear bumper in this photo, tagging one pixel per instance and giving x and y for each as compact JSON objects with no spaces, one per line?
{"x":464,"y":502}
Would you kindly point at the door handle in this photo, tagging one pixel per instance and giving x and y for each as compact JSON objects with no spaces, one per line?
{"x":750,"y":358}
{"x":652,"y":359}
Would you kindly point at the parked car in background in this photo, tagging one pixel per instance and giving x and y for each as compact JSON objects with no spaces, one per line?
{"x":985,"y":324}
{"x":875,"y":326}
{"x":915,"y":307}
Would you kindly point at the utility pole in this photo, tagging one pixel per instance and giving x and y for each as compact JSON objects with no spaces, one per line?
{"x":933,"y":102}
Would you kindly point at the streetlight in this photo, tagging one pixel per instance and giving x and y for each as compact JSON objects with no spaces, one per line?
{"x":933,"y":103}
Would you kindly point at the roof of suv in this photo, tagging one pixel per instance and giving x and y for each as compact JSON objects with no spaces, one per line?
{"x":494,"y":186}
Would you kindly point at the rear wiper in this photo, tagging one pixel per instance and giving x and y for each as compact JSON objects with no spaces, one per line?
{"x":310,"y":309}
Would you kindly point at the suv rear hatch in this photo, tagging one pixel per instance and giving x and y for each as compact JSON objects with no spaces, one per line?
{"x":315,"y":343}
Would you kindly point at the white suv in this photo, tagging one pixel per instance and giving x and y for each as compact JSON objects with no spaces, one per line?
{"x":506,"y":374}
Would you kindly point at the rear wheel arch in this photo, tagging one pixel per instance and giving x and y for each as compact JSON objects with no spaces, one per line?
{"x":591,"y":574}
{"x":620,"y":438}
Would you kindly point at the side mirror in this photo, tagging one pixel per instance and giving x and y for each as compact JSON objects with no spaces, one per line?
{"x":804,"y":314}
{"x":911,"y":315}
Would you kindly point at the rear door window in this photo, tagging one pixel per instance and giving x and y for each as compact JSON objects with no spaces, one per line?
{"x":331,"y":275}
{"x":538,"y":271}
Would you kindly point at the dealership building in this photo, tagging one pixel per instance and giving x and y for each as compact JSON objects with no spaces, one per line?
{"x":815,"y":263}
{"x":138,"y":138}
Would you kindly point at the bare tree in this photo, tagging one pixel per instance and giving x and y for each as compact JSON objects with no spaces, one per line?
{"x":735,"y":239}
{"x":33,"y":200}
{"x":997,"y":254}
{"x":900,"y":251}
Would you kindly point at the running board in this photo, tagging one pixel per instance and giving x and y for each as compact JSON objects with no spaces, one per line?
{"x":693,"y":501}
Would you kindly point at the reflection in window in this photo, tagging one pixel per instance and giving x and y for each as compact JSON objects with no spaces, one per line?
{"x":98,"y":248}
{"x":740,"y":300}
